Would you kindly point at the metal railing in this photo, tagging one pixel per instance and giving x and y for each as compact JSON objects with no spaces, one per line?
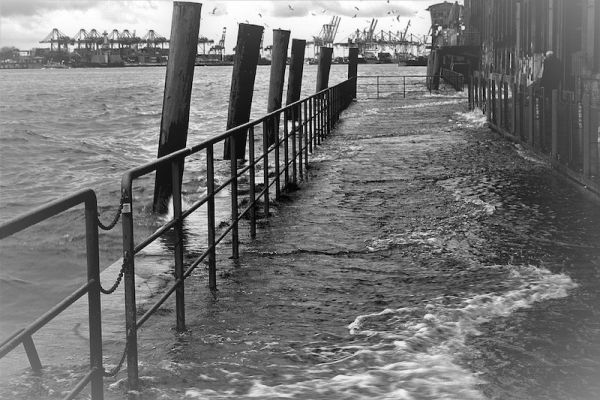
{"x":557,"y":125}
{"x":454,"y":79}
{"x":298,"y":128}
{"x":378,"y":86}
{"x":91,"y":287}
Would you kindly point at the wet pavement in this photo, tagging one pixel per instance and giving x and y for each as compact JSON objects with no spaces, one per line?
{"x":423,"y":258}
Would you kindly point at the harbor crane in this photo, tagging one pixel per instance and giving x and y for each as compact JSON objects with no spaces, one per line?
{"x":202,"y":40}
{"x":58,"y":41}
{"x":326,"y":35}
{"x":220,"y":47}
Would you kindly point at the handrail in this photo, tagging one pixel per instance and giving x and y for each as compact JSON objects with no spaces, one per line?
{"x":91,"y":287}
{"x":311,"y":120}
{"x":382,"y":81}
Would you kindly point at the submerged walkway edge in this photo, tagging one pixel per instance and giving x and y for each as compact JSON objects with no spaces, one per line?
{"x":388,"y":218}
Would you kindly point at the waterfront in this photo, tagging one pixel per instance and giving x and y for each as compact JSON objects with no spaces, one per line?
{"x":425,"y":258}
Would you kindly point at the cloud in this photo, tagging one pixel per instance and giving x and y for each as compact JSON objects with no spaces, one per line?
{"x":27,"y":8}
{"x":368,"y":9}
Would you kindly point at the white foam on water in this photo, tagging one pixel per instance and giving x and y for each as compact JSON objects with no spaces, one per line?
{"x":472,"y":119}
{"x":527,"y":155}
{"x":428,"y":104}
{"x":462,"y":194}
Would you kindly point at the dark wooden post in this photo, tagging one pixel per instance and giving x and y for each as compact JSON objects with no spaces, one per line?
{"x":353,"y":68}
{"x":281,"y":40}
{"x":530,"y":114}
{"x":185,"y":26}
{"x":587,"y":136}
{"x":247,"y":52}
{"x":296,"y":70}
{"x":324,"y":67}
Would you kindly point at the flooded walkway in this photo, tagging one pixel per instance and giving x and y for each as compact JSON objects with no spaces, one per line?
{"x":424,"y":258}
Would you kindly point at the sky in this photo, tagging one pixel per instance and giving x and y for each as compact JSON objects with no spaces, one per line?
{"x":23,"y":23}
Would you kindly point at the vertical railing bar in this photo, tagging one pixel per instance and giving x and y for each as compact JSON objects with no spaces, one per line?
{"x":176,"y":179}
{"x":32,"y":354}
{"x":252,"y":173}
{"x":129,"y":288}
{"x":275,"y":127}
{"x":234,"y":196}
{"x":210,"y":210}
{"x":265,"y":150}
{"x":286,"y":145}
{"x":294,"y":128}
{"x":307,"y":143}
{"x":310,"y":125}
{"x":94,"y":304}
{"x":301,"y":151}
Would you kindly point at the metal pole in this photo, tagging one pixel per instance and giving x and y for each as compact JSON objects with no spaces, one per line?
{"x":252,"y":183}
{"x":183,"y":45}
{"x":294,"y":129}
{"x":94,"y":304}
{"x":266,"y":166}
{"x":210,"y":211}
{"x":129,"y":288}
{"x":234,"y":199}
{"x":286,"y":145}
{"x":178,"y":245}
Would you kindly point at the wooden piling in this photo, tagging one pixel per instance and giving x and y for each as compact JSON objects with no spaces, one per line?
{"x":185,"y":26}
{"x":324,"y":67}
{"x":554,"y":148}
{"x":353,"y":67}
{"x":281,"y":40}
{"x":242,"y":84}
{"x":294,"y":88}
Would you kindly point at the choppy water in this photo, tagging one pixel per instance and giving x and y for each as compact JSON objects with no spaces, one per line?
{"x":66,"y":130}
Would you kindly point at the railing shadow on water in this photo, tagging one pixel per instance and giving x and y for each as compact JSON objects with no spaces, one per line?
{"x":299,"y":128}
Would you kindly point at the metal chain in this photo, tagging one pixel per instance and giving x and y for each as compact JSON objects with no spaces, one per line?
{"x":115,"y":219}
{"x":113,"y":372}
{"x":119,"y":277}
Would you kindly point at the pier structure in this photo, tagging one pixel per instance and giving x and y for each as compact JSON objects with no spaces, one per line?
{"x":558,"y":115}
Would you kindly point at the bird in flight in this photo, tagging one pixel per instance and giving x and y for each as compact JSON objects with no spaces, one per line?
{"x":214,"y":11}
{"x":290,"y":7}
{"x":356,"y":8}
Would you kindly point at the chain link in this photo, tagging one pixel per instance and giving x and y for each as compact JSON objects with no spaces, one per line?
{"x":115,"y":219}
{"x":119,"y":277}
{"x":113,"y":372}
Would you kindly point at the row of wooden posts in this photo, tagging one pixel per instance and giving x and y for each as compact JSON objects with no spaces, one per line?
{"x":180,"y":73}
{"x":557,"y":125}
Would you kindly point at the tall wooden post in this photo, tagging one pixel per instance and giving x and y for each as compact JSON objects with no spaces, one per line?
{"x":281,"y":40}
{"x":324,"y":67}
{"x":242,"y":84}
{"x":353,"y":67}
{"x":294,"y":88}
{"x":185,"y":26}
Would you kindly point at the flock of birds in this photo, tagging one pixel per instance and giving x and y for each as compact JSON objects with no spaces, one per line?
{"x":313,"y":13}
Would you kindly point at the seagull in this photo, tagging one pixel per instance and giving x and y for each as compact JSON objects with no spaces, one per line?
{"x":313,"y":13}
{"x":290,"y":7}
{"x":323,"y":10}
{"x":214,"y":10}
{"x":260,"y":15}
{"x":398,"y":18}
{"x":354,"y":16}
{"x":356,"y":8}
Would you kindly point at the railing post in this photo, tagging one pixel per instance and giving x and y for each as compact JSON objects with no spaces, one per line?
{"x":311,"y":123}
{"x":307,"y":142}
{"x":252,"y":193}
{"x":94,"y":304}
{"x":275,"y":128}
{"x":265,"y":146}
{"x":301,"y":149}
{"x":129,"y":288}
{"x":286,"y":145}
{"x":32,"y":354}
{"x":329,"y":111}
{"x":210,"y":211}
{"x":515,"y":98}
{"x":234,"y":198}
{"x":185,"y":26}
{"x":176,"y":173}
{"x":294,"y":129}
{"x":377,"y":86}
